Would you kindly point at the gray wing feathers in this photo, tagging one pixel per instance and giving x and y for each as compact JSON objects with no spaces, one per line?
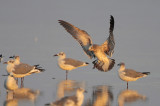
{"x":109,"y":44}
{"x":22,"y":68}
{"x":80,"y":35}
{"x":73,"y":62}
{"x":133,"y":73}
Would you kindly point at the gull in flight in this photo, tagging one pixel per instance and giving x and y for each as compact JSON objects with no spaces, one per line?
{"x":102,"y":63}
{"x":129,"y":74}
{"x":68,"y":64}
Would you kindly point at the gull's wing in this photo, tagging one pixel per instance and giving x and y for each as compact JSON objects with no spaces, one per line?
{"x":108,"y":45}
{"x":23,"y":68}
{"x":80,"y":35}
{"x":104,"y":66}
{"x":133,"y":73}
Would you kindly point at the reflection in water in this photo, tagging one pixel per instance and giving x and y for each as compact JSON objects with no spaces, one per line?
{"x":128,"y":96}
{"x":13,"y":97}
{"x":15,"y":94}
{"x":75,"y":100}
{"x":65,"y":89}
{"x":102,"y":96}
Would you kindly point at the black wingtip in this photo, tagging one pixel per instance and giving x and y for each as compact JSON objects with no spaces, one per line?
{"x":87,"y":63}
{"x":47,"y":104}
{"x":146,"y":73}
{"x":111,"y":24}
{"x":12,"y":56}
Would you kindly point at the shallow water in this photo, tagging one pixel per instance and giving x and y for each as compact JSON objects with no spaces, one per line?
{"x":30,"y":29}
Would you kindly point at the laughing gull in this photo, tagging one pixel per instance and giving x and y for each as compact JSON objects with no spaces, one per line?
{"x":1,"y":58}
{"x":68,"y":64}
{"x":10,"y":83}
{"x":10,"y":65}
{"x":103,"y":63}
{"x":22,"y":70}
{"x":17,"y":62}
{"x":129,"y":74}
{"x":75,"y":100}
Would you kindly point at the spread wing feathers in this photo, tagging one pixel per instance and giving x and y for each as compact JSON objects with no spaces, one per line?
{"x":102,"y":66}
{"x":80,"y":35}
{"x":109,"y":44}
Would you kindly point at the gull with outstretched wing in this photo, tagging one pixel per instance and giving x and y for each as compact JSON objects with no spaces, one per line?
{"x":102,"y":63}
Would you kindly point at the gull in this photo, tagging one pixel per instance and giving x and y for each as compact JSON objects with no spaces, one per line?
{"x":103,"y":63}
{"x":1,"y":58}
{"x":22,"y":70}
{"x":68,"y":64}
{"x":75,"y":100}
{"x":17,"y":62}
{"x":129,"y":74}
{"x":10,"y":65}
{"x":10,"y":83}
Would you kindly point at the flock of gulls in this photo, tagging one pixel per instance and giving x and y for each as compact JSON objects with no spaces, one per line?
{"x":102,"y":61}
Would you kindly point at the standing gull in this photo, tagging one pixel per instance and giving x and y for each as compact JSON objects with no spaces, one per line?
{"x":1,"y":58}
{"x":68,"y":64}
{"x":10,"y":65}
{"x":129,"y":74}
{"x":10,"y":83}
{"x":103,"y":63}
{"x":22,"y":70}
{"x":17,"y":62}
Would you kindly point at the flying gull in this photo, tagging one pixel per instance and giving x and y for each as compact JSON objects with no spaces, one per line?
{"x":103,"y":63}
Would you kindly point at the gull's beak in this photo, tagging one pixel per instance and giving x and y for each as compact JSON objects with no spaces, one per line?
{"x":90,"y":48}
{"x":12,"y":57}
{"x":5,"y":63}
{"x":119,"y":64}
{"x":55,"y":55}
{"x":85,"y":91}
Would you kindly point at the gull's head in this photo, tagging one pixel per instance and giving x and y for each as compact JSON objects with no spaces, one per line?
{"x":92,"y":48}
{"x":61,"y":54}
{"x":9,"y":62}
{"x":12,"y":57}
{"x":121,"y":64}
{"x":1,"y":56}
{"x":80,"y":90}
{"x":17,"y":57}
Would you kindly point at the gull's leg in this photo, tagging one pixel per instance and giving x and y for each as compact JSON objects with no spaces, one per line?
{"x":66,"y":74}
